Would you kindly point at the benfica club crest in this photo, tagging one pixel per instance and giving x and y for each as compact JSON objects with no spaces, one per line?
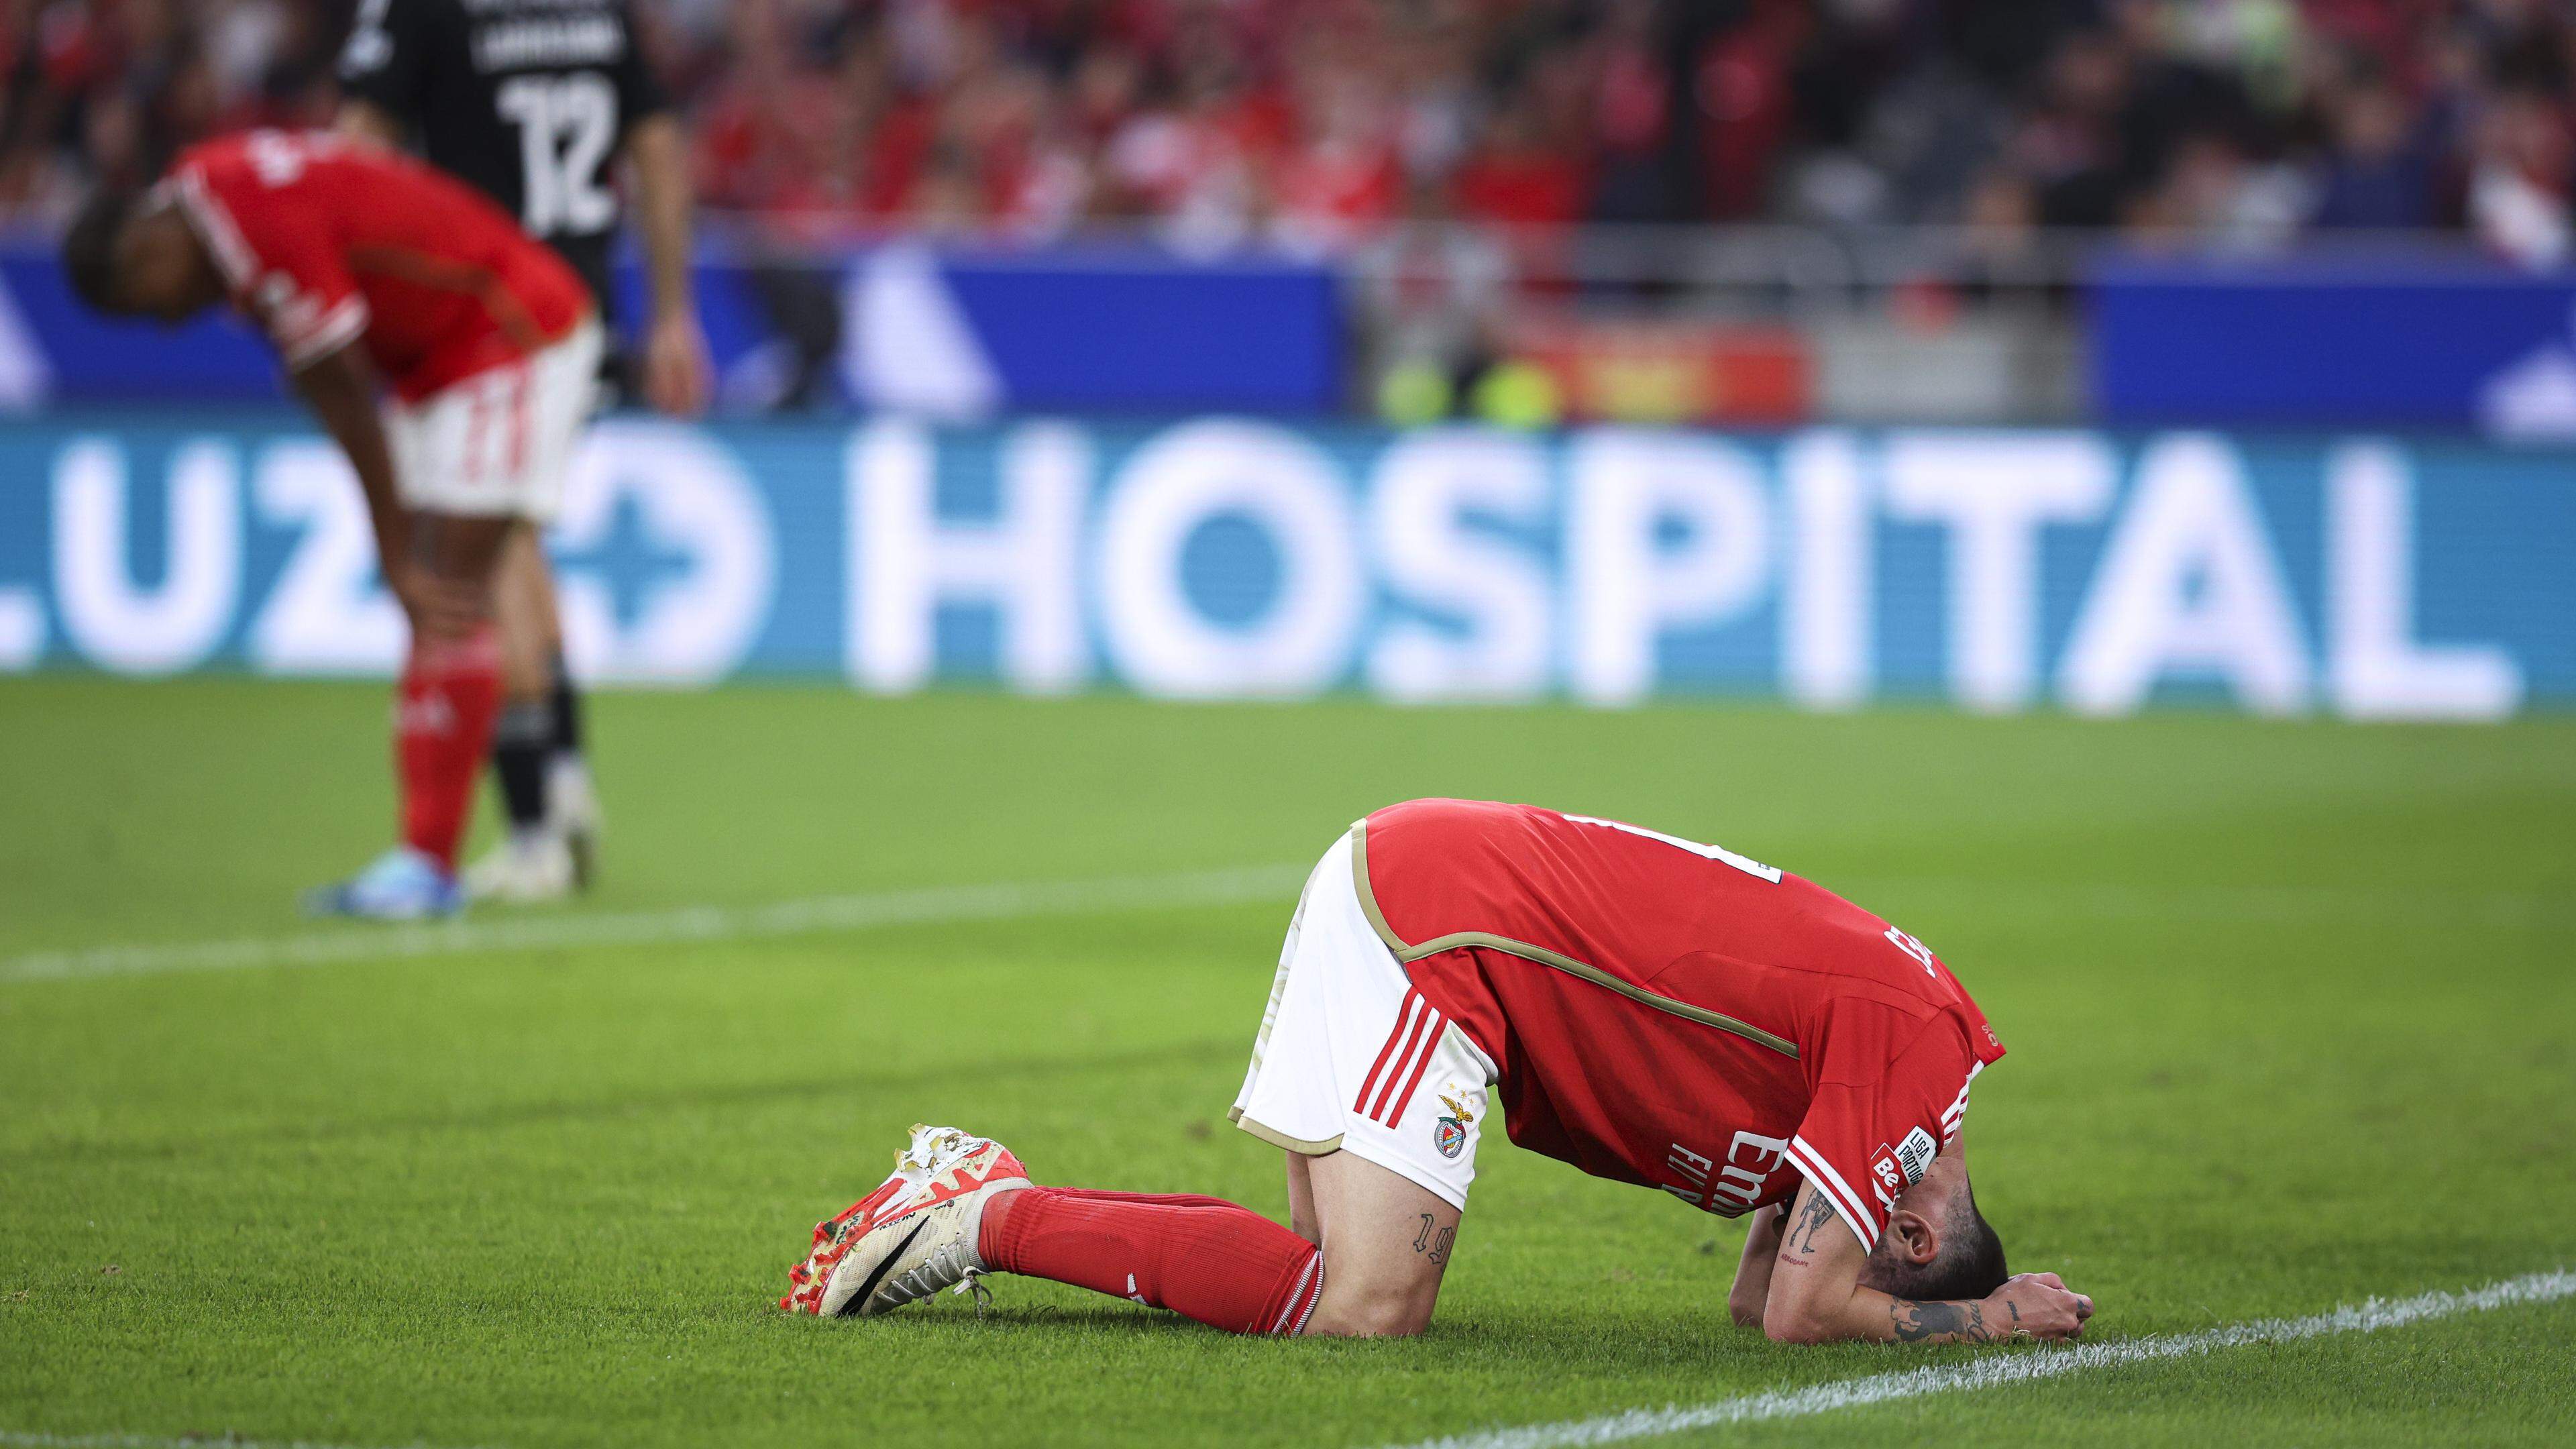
{"x":1449,"y":1134}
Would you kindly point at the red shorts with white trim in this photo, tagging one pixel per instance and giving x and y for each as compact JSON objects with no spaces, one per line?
{"x":1352,"y":1059}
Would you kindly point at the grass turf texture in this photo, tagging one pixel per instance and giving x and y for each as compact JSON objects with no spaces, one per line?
{"x":2290,"y":1010}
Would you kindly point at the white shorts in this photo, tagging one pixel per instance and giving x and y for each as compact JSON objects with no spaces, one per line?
{"x":1351,"y":1058}
{"x":498,"y":443}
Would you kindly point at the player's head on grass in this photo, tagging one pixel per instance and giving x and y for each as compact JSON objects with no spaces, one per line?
{"x":1937,"y":1246}
{"x":131,"y":254}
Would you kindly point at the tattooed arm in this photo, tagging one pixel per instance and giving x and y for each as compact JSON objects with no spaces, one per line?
{"x":1753,"y":1271}
{"x":1817,"y":1297}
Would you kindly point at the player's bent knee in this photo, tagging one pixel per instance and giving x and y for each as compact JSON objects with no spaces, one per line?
{"x":1368,"y":1321}
{"x":1368,"y":1311}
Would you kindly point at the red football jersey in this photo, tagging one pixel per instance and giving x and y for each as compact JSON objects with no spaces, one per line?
{"x":1672,"y":1014}
{"x":324,"y":242}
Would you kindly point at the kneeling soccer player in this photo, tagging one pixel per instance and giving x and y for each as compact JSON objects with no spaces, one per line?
{"x":1649,"y":1009}
{"x":372,"y":271}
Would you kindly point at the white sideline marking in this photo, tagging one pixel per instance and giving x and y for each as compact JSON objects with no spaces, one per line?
{"x":2370,"y":1317}
{"x":1007,"y":901}
{"x":927,"y":905}
{"x":2017,"y":1368}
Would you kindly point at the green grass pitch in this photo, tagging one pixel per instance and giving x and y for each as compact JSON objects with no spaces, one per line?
{"x":2291,"y":1010}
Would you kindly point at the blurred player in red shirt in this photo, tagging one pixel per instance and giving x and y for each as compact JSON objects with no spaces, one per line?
{"x":541,"y":107}
{"x":1647,"y":1008}
{"x":451,"y":357}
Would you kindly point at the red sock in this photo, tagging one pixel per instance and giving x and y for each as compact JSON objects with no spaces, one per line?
{"x":444,"y":707}
{"x":1226,"y":1266}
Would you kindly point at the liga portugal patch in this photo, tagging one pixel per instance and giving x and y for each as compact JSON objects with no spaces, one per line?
{"x":1914,"y":1154}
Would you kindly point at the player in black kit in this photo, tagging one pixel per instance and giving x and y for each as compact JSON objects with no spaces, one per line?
{"x":534,"y":102}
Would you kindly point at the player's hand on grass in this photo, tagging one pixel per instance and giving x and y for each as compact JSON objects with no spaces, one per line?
{"x":439,"y":608}
{"x":2038,"y":1305}
{"x":675,"y":368}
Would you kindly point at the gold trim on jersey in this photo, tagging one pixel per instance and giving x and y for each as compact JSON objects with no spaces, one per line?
{"x":1543,"y":956}
{"x":1276,"y":1138}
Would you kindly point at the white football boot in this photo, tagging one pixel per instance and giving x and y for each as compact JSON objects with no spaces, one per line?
{"x":913,"y":1236}
{"x":529,"y":867}
{"x":572,"y":813}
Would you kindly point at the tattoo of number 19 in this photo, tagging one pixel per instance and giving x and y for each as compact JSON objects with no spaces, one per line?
{"x":1434,"y":1240}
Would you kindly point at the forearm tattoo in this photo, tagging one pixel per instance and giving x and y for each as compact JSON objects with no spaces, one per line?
{"x":1434,"y":1240}
{"x":1960,"y":1322}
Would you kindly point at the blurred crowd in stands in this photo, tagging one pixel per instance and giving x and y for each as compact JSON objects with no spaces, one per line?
{"x":1317,"y":121}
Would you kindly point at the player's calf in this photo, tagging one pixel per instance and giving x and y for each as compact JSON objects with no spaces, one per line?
{"x":1223,"y":1265}
{"x":959,"y":1207}
{"x":549,"y":850}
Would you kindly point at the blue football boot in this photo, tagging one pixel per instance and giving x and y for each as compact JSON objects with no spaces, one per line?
{"x":401,"y":885}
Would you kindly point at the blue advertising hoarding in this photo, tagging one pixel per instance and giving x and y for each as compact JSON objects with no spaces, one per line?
{"x":2414,"y":340}
{"x":1234,"y":557}
{"x":2420,"y":340}
{"x":953,"y":332}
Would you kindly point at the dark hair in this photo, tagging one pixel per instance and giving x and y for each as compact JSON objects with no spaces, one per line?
{"x":1970,"y":1264}
{"x":89,"y":247}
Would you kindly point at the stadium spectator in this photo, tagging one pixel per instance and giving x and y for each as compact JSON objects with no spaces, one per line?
{"x":2381,"y":160}
{"x":2519,"y":178}
{"x":1323,"y":121}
